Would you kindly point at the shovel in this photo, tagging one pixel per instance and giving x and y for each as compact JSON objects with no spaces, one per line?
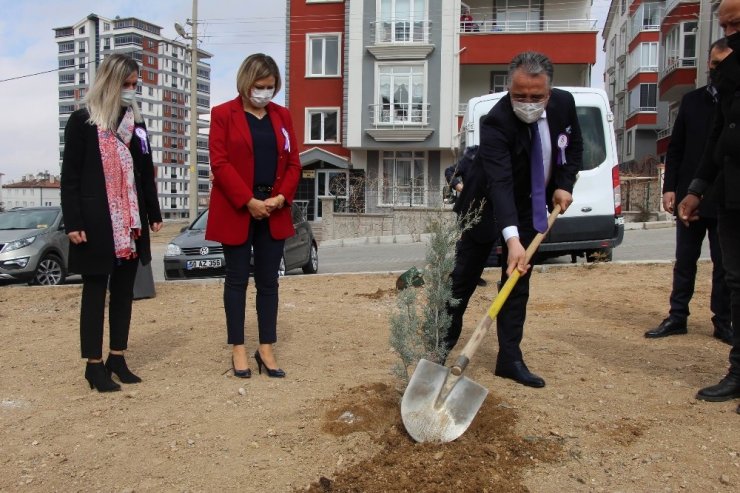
{"x":440,"y":403}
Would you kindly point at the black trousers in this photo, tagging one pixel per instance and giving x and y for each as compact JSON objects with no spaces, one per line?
{"x":470,"y":259}
{"x":688,"y":249}
{"x":267,"y":255}
{"x":729,"y":237}
{"x":92,"y":310}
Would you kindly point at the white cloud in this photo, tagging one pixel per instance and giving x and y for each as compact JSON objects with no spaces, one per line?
{"x":29,"y":134}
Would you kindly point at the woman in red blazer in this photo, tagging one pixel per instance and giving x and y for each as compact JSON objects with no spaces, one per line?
{"x":256,"y":168}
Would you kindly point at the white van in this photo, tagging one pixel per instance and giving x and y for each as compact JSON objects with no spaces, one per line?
{"x":593,"y":225}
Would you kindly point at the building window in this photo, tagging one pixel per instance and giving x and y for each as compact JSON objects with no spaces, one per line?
{"x":69,"y":62}
{"x":323,"y":55}
{"x":106,"y":26}
{"x":67,"y":78}
{"x":81,"y":47}
{"x":647,"y":18}
{"x":518,"y":15}
{"x":82,"y":78}
{"x":499,"y":81}
{"x":680,"y":46}
{"x":403,"y":175}
{"x":401,"y":94}
{"x":106,"y":43}
{"x":81,"y":30}
{"x":321,"y":125}
{"x":401,"y":21}
{"x":67,"y":47}
{"x":67,"y":94}
{"x":644,"y":58}
{"x":644,"y":98}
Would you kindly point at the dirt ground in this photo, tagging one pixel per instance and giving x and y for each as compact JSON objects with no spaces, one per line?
{"x":618,"y":412}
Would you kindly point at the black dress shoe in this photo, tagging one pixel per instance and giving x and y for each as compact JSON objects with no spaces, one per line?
{"x":728,"y":388}
{"x":666,"y":328}
{"x":519,"y":372}
{"x":723,"y":333}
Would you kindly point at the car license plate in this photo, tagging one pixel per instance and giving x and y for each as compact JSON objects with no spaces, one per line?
{"x":203,"y":264}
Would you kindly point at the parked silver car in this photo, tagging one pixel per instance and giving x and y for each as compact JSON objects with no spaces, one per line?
{"x":189,"y":255}
{"x":33,"y":245}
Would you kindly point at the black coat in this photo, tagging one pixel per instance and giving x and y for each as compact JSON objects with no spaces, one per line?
{"x":720,"y":165}
{"x":688,"y":139}
{"x":85,"y":202}
{"x":501,"y":174}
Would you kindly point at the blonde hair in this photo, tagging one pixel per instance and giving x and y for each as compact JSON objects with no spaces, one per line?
{"x":254,"y":68}
{"x":103,"y":100}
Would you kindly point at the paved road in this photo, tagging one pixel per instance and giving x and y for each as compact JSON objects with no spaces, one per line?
{"x":638,"y":245}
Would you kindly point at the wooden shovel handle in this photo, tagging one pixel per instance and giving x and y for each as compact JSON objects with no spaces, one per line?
{"x":480,"y":331}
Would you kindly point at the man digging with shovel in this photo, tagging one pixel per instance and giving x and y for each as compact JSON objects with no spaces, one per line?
{"x":530,"y":153}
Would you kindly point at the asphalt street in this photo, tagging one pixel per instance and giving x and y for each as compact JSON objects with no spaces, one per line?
{"x":645,"y":245}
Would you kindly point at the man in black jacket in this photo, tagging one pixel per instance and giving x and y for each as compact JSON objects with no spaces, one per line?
{"x":690,"y":132}
{"x":719,"y":175}
{"x":533,"y":119}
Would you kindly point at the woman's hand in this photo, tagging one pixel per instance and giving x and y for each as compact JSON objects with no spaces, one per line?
{"x":258,"y":209}
{"x":276,"y":202}
{"x":77,"y":237}
{"x":156,"y":227}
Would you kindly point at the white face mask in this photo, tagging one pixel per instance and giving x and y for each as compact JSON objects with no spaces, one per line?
{"x":528,"y":112}
{"x":128,"y":96}
{"x":260,"y":97}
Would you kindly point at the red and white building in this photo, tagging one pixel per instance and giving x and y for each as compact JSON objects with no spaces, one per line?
{"x":377,"y":88}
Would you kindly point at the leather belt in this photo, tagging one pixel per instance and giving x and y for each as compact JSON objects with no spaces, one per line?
{"x":263,"y":188}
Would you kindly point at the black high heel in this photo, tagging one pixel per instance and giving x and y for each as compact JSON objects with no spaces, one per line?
{"x":99,"y":378}
{"x":278,"y":373}
{"x":116,"y":363}
{"x":240,"y":373}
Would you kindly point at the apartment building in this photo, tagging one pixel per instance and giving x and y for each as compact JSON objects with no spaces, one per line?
{"x":656,"y":51}
{"x":377,"y":89}
{"x":163,"y":96}
{"x":40,"y":190}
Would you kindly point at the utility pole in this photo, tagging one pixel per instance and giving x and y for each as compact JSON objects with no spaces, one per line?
{"x":193,"y":36}
{"x":194,"y":114}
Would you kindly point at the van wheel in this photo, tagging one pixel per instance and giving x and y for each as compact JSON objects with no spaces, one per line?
{"x":312,"y":266}
{"x":599,"y":255}
{"x":50,"y":271}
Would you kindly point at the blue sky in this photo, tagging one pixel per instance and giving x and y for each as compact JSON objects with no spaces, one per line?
{"x":231,"y":30}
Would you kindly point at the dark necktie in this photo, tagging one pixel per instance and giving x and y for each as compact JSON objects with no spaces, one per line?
{"x":539,"y":206}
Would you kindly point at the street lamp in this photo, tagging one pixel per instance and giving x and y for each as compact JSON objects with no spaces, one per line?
{"x":193,"y":36}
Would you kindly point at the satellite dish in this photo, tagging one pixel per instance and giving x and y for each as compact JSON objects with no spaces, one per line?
{"x":180,"y":30}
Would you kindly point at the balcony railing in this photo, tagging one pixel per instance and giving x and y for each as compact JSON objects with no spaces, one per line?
{"x":666,"y":132}
{"x":547,"y":25}
{"x":644,"y":68}
{"x":399,"y":115}
{"x":642,"y":109}
{"x":674,"y":63}
{"x":402,"y":31}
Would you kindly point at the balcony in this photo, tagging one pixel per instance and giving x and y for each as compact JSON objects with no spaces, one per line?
{"x":399,"y":122}
{"x":571,"y":41}
{"x":400,"y":39}
{"x":672,"y":4}
{"x":677,"y":78}
{"x":646,"y":68}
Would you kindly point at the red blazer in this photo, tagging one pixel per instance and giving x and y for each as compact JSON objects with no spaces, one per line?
{"x":232,"y":164}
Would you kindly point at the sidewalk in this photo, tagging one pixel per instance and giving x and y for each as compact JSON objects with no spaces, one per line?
{"x":417,"y":238}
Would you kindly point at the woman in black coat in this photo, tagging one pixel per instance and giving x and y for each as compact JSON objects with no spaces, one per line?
{"x":108,"y":200}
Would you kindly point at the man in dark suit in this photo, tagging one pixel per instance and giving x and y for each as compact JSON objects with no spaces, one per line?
{"x":690,"y":133}
{"x":533,"y":119}
{"x":719,"y":176}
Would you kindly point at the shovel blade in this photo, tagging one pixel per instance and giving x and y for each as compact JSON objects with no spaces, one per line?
{"x":434,"y":409}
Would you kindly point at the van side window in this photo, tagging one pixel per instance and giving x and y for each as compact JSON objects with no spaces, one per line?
{"x":592,"y":130}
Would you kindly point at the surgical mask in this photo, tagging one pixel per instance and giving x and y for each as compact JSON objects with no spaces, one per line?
{"x":260,"y":97}
{"x":528,"y":112}
{"x":128,"y":96}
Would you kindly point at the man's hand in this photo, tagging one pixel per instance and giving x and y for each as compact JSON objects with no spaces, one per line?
{"x":517,"y":256}
{"x":258,"y":209}
{"x":459,"y":187}
{"x":156,"y":227}
{"x":562,"y":198}
{"x":77,"y":237}
{"x":688,"y":209}
{"x":669,"y":201}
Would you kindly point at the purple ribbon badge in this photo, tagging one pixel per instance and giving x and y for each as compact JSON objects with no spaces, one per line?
{"x":141,"y":134}
{"x":287,"y":139}
{"x":562,"y":144}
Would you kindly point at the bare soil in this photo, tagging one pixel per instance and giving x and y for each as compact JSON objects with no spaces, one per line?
{"x":618,"y":412}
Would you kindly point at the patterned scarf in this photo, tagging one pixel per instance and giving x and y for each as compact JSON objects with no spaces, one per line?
{"x":118,"y":168}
